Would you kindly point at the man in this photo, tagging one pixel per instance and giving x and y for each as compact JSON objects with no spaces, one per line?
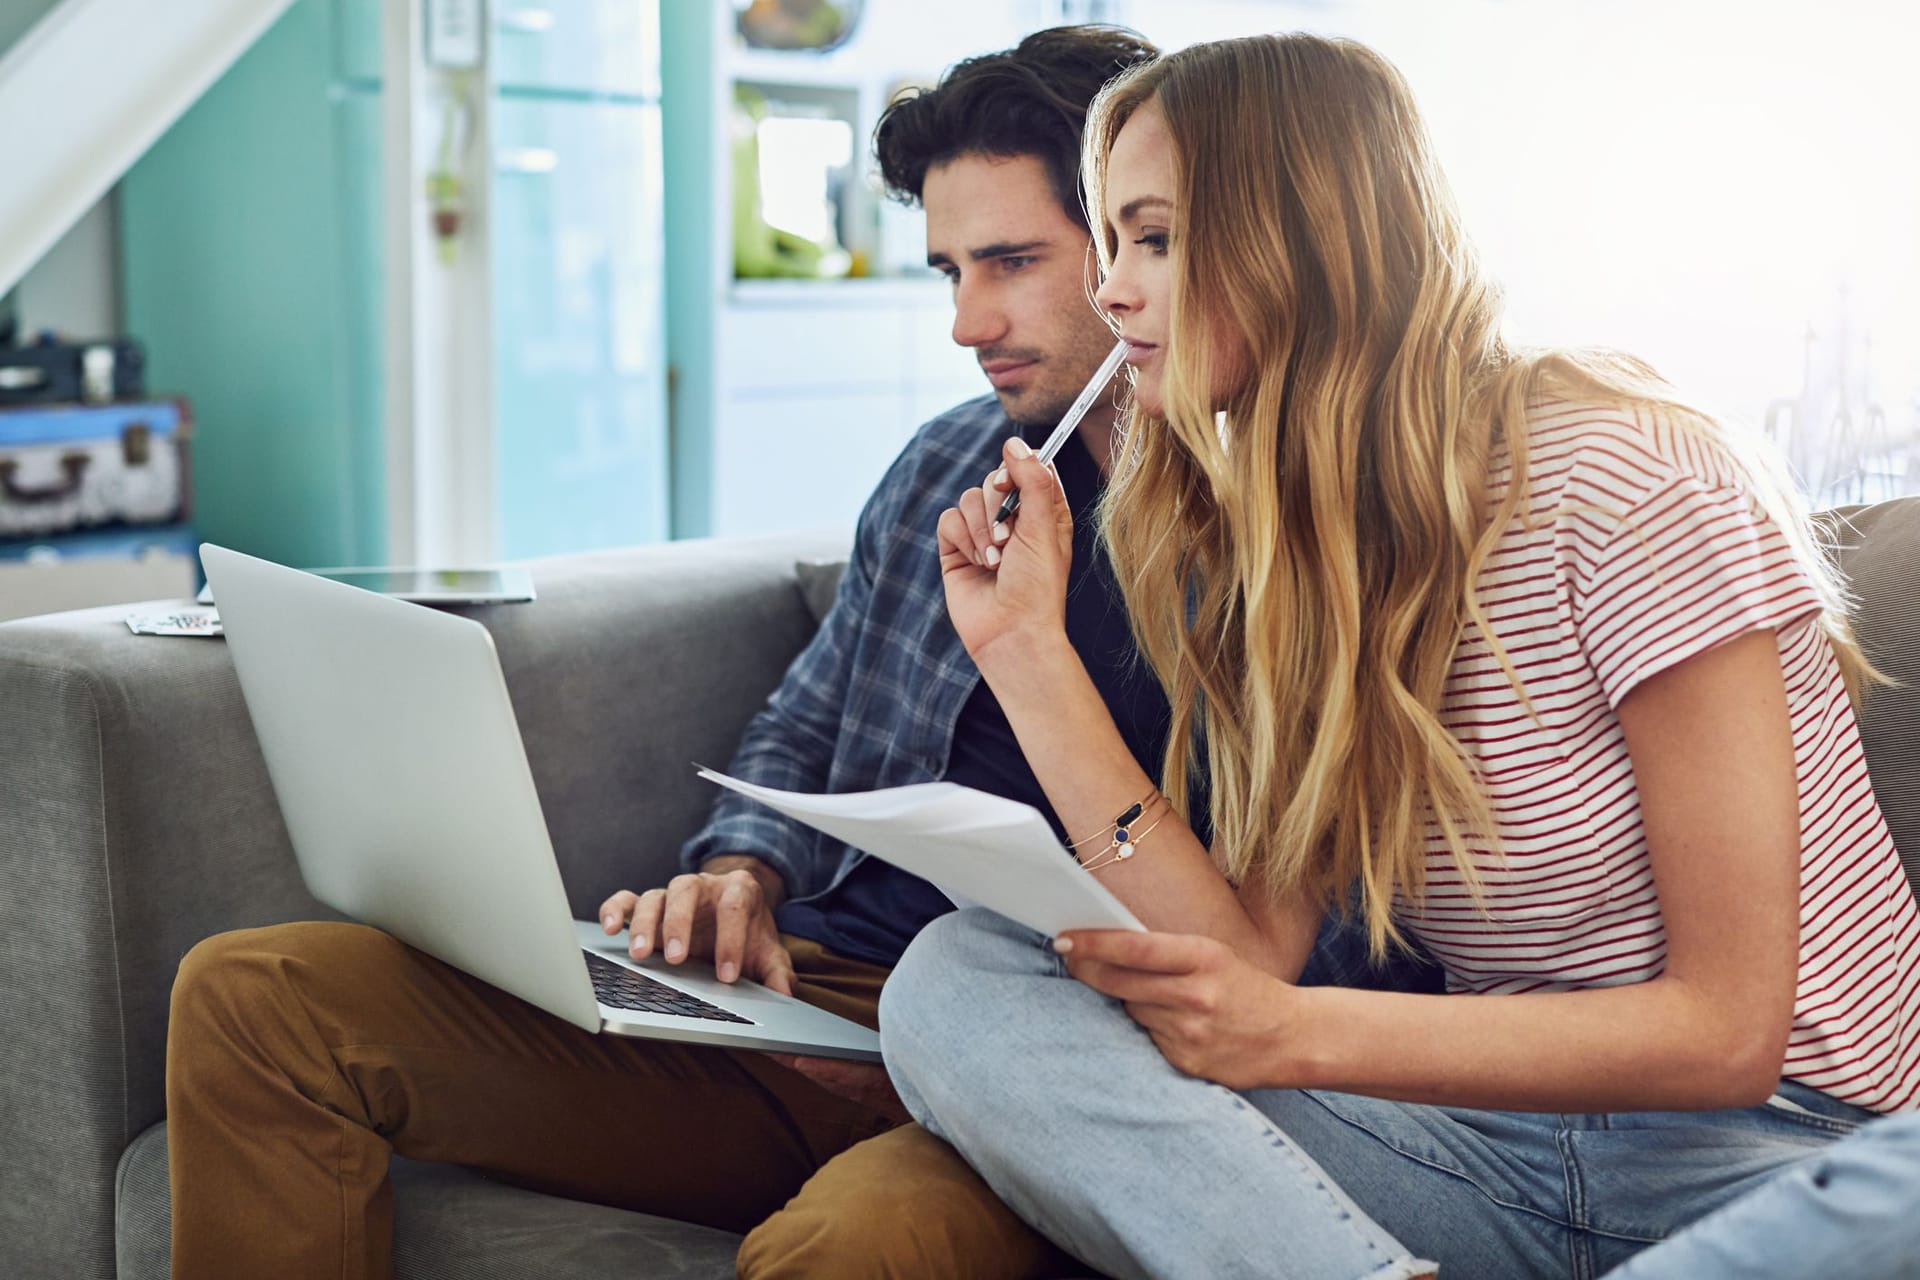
{"x":300,"y":1056}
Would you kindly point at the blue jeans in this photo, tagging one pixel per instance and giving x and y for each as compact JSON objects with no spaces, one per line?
{"x":1066,"y":1107}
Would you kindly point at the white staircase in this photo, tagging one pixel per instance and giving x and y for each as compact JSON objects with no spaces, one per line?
{"x":88,"y":89}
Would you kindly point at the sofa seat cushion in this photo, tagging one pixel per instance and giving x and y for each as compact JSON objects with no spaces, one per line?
{"x":450,"y":1222}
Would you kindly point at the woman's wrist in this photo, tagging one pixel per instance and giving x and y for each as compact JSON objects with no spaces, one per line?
{"x":1028,"y":661}
{"x":1299,"y":1057}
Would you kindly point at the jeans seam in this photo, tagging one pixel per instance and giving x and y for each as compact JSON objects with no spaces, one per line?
{"x":346,"y":1218}
{"x":1435,"y":1163}
{"x":1816,"y":1123}
{"x":1280,"y":1141}
{"x":1579,"y":1248}
{"x":1056,"y":963}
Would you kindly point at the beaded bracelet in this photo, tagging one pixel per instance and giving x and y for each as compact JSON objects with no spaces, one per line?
{"x":1124,"y":844}
{"x":1129,"y":814}
{"x":1121,"y":840}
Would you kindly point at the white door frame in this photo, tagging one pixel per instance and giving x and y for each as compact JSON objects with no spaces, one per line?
{"x":441,"y":443}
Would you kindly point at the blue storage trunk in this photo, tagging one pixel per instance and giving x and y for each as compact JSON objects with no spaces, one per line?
{"x":71,"y":467}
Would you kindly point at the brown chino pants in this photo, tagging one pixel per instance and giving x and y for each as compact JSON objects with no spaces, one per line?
{"x":300,"y":1056}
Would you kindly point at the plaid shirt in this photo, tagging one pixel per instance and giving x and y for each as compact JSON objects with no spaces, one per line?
{"x":872,"y":700}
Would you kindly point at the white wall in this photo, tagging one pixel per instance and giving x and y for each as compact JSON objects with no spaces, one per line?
{"x":75,"y":289}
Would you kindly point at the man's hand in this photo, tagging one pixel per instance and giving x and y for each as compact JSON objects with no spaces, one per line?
{"x":724,"y":912}
{"x":863,"y":1082}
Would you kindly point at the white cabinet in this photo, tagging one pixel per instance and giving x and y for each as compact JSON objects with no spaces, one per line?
{"x":824,"y":384}
{"x":792,"y":396}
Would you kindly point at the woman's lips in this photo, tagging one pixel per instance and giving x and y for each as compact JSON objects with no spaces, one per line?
{"x":1137,"y":352}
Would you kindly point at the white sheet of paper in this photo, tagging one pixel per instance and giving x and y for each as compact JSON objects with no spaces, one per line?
{"x":976,"y":847}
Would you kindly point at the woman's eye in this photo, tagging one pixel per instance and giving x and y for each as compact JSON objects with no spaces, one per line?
{"x":1154,"y":240}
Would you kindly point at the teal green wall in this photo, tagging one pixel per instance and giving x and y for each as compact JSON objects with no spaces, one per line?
{"x":251,"y":271}
{"x":17,"y":15}
{"x":688,"y":59}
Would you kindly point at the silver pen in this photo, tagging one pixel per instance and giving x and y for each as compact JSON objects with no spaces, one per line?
{"x":1078,"y":410}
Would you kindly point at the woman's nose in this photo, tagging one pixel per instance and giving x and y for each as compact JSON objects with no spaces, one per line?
{"x":1116,"y":296}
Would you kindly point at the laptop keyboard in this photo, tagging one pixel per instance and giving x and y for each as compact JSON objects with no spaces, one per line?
{"x":622,"y":988}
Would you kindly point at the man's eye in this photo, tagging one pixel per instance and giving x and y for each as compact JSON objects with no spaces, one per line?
{"x":1016,"y":261}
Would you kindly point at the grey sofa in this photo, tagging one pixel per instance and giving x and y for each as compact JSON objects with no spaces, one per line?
{"x":136,"y":818}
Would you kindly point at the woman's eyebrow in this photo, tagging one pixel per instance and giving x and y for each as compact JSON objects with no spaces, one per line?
{"x":1131,"y":209}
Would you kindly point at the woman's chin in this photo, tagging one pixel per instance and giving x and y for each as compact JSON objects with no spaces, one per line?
{"x":1146,"y":395}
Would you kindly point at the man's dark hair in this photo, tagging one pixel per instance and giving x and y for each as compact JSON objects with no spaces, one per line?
{"x":1030,"y":100}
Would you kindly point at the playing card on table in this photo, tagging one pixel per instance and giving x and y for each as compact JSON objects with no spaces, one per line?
{"x":186,"y":622}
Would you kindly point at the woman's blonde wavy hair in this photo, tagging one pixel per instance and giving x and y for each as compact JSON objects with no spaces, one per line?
{"x":1299,"y":560}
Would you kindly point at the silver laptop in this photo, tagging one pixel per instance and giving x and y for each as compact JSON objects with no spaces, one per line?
{"x":394,"y":752}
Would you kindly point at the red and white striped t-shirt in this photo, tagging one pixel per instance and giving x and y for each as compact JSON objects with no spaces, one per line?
{"x":1644,"y":551}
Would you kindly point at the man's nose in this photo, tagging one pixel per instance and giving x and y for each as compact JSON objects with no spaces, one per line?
{"x":977,"y":320}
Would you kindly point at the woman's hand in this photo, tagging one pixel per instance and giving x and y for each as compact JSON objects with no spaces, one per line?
{"x":1003,"y":590}
{"x":1213,"y":1014}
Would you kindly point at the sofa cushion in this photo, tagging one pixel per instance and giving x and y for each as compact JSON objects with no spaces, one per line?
{"x":450,"y":1222}
{"x":1878,"y":551}
{"x":819,"y":581}
{"x":136,"y":818}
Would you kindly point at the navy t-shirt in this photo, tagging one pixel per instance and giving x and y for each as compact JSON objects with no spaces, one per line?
{"x":878,"y":908}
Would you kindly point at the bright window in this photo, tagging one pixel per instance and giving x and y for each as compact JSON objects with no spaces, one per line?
{"x":1729,"y":189}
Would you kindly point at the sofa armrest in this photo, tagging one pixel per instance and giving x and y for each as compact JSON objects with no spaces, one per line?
{"x":136,"y":818}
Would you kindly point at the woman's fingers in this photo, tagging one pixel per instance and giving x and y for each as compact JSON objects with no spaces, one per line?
{"x":1135,"y":986}
{"x":1132,"y":949}
{"x":973,"y":509}
{"x":1043,"y":505}
{"x":974,"y":532}
{"x":970,"y":532}
{"x":1025,"y":472}
{"x":996,"y":488}
{"x":955,"y":541}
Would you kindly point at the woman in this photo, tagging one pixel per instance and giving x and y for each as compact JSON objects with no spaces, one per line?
{"x":1508,"y":653}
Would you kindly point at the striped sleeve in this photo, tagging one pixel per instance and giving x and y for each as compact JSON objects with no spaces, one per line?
{"x":1691,"y":565}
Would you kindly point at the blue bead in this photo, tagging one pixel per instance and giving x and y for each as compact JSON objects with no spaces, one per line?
{"x":1119,"y":835}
